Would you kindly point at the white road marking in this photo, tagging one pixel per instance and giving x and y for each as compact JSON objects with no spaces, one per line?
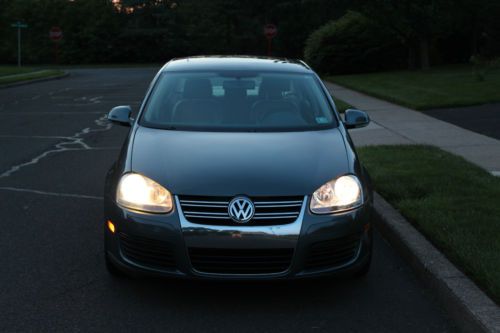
{"x":67,"y":195}
{"x":35,"y":137}
{"x":83,"y":101}
{"x":76,"y":139}
{"x":69,"y":113}
{"x":58,"y":91}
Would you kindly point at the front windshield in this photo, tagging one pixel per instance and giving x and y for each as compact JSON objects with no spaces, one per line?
{"x":238,"y":101}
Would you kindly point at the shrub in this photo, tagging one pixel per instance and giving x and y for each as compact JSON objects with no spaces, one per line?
{"x":482,"y":66}
{"x":353,"y":43}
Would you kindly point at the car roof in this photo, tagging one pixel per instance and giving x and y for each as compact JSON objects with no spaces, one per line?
{"x":251,"y":63}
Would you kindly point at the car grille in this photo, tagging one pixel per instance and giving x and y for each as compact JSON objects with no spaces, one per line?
{"x":240,"y":261}
{"x":147,"y":252}
{"x":214,"y":210}
{"x":332,"y":253}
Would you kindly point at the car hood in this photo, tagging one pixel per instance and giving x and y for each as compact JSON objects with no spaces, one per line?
{"x":227,"y":164}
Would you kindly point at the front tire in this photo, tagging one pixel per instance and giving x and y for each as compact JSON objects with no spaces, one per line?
{"x":363,"y":270}
{"x":112,"y":269}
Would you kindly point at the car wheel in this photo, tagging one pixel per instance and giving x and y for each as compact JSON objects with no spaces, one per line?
{"x":363,"y":270}
{"x":112,"y":269}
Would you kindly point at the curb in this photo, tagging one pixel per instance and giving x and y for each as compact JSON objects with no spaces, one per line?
{"x":22,"y":83}
{"x":468,"y":306}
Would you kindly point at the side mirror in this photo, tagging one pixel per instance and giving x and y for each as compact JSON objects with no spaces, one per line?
{"x":121,"y":115}
{"x":356,"y":118}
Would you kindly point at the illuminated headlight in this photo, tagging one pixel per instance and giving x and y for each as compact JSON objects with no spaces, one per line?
{"x":141,"y":193}
{"x":337,"y":195}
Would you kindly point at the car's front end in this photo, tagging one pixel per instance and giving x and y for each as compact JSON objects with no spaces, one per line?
{"x":239,"y":204}
{"x":171,"y":245}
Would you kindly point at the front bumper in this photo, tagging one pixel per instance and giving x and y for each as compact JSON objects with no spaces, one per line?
{"x":169,"y":245}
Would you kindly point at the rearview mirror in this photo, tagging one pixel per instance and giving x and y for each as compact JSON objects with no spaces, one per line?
{"x":121,"y":115}
{"x":356,"y":118}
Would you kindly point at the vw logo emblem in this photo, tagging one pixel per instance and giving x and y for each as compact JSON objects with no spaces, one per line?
{"x":241,"y":209}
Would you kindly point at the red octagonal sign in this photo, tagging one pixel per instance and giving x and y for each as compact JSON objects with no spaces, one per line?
{"x":270,"y":31}
{"x":55,"y":34}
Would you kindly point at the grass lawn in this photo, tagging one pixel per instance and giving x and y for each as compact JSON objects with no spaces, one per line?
{"x":11,"y":74}
{"x":342,"y":106}
{"x":12,"y":70}
{"x":451,"y":201}
{"x":421,"y":90}
{"x":115,"y":65}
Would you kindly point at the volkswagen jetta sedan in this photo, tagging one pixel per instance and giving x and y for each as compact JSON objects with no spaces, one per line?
{"x":238,"y":168}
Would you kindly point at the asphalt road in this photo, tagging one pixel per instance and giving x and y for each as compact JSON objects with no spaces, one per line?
{"x":55,"y":149}
{"x":484,"y":119}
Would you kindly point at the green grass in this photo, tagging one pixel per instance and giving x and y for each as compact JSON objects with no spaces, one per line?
{"x":454,"y":203}
{"x":342,"y":106}
{"x":14,"y":74}
{"x":11,"y":70}
{"x":421,"y":90}
{"x":114,"y":65}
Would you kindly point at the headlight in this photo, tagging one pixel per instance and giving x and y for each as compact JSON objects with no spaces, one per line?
{"x":337,"y":195}
{"x":141,"y":193}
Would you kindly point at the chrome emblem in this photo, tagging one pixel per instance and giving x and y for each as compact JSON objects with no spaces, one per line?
{"x":241,"y":209}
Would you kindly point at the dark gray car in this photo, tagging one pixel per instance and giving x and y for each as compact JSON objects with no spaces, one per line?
{"x":238,"y":168}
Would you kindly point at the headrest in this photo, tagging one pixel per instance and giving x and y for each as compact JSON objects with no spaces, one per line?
{"x":197,"y":88}
{"x":273,"y":88}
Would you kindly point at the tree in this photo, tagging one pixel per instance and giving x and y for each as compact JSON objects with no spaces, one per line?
{"x":417,"y":23}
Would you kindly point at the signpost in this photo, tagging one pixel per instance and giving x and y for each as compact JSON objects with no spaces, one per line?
{"x":270,"y":31}
{"x":56,"y":34}
{"x":19,"y":26}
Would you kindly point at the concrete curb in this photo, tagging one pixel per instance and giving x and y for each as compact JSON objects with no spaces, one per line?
{"x":22,"y":83}
{"x":468,"y":306}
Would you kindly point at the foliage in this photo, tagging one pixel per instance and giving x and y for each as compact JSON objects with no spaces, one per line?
{"x":29,"y":75}
{"x":482,"y":65}
{"x":453,"y":202}
{"x":353,"y":43}
{"x":439,"y":30}
{"x":342,"y":106}
{"x":127,"y":31}
{"x":89,"y":29}
{"x":438,"y":87}
{"x":101,"y":31}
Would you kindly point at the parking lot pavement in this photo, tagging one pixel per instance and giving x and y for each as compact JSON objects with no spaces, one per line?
{"x":55,"y":150}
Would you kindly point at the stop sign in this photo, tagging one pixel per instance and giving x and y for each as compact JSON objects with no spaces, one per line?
{"x":270,"y":31}
{"x":55,"y":34}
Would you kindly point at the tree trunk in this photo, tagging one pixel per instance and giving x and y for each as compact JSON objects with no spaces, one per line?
{"x":412,"y":57}
{"x":424,"y":52}
{"x":474,"y":40}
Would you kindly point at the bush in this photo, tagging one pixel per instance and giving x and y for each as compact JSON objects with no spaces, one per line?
{"x":482,"y":66}
{"x":351,"y":44}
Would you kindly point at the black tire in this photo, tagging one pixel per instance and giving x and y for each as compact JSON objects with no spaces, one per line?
{"x":112,"y":269}
{"x":363,"y":270}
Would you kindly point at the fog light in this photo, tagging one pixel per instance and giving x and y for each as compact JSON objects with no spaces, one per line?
{"x":111,"y":227}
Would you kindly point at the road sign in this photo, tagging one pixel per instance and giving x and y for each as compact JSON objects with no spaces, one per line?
{"x":19,"y":26}
{"x":55,"y":34}
{"x":270,"y":31}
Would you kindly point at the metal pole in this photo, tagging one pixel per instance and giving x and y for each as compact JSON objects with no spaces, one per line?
{"x":18,"y":45}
